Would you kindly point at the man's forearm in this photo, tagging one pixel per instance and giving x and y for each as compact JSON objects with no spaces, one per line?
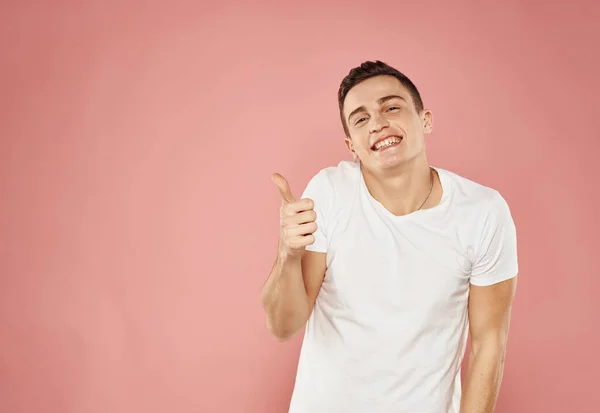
{"x":284,"y":297}
{"x":484,"y":376}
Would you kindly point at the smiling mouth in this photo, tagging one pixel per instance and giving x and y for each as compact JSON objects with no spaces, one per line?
{"x":386,"y":143}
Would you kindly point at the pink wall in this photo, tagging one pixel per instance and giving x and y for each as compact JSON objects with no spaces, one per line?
{"x":138,"y":220}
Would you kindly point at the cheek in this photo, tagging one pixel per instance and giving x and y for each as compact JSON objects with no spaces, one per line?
{"x":360,"y":141}
{"x":363,"y":145}
{"x":410,"y":124}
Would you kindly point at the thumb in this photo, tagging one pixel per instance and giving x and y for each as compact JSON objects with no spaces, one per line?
{"x":284,"y":188}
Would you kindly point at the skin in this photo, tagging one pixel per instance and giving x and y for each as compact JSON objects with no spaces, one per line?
{"x":289,"y":294}
{"x":489,"y":318}
{"x":399,"y":178}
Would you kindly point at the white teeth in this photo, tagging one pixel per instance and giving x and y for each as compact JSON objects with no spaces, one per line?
{"x":386,"y":142}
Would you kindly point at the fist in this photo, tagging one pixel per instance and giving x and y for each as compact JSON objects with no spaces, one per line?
{"x":297,"y":220}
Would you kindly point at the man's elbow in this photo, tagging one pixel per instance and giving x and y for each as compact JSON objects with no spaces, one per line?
{"x":281,"y":333}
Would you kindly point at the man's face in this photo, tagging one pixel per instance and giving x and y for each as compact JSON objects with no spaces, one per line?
{"x":384,"y":126}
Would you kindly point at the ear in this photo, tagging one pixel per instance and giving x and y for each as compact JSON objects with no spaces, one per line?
{"x":350,"y":146}
{"x":427,"y":118}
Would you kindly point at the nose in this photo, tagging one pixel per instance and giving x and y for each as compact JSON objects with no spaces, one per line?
{"x":378,"y":122}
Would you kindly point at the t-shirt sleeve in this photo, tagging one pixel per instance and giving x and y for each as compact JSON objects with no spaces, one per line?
{"x":320,"y":190}
{"x":496,"y":256}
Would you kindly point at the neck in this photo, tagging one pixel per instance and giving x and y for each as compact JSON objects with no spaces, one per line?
{"x":401,"y":190}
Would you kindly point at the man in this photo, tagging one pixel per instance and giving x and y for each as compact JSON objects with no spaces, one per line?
{"x":389,"y":263}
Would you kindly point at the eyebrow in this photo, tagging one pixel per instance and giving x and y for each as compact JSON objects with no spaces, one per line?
{"x":380,"y":101}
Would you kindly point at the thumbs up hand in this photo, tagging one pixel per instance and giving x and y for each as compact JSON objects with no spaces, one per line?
{"x":297,"y":220}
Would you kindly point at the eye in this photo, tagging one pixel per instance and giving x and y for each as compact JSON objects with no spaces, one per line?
{"x":360,"y":120}
{"x":391,"y":108}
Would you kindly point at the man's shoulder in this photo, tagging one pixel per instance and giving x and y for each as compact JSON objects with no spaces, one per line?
{"x":333,"y":186}
{"x":342,"y":172}
{"x":468,"y":190}
{"x":337,"y":178}
{"x":481,"y":203}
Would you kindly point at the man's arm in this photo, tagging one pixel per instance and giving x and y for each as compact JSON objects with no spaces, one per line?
{"x":489,"y":318}
{"x":290,"y":292}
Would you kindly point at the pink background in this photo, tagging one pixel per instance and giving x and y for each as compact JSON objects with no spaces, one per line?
{"x":138,"y":220}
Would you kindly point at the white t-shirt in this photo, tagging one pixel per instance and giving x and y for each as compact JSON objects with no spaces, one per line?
{"x":389,"y":327}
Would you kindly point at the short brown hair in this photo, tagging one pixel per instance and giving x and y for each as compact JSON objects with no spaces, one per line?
{"x":368,"y":70}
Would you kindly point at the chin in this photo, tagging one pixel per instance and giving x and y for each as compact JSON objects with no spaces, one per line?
{"x":385,"y":164}
{"x":391,"y":161}
{"x":398,"y":159}
{"x":391,"y":164}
